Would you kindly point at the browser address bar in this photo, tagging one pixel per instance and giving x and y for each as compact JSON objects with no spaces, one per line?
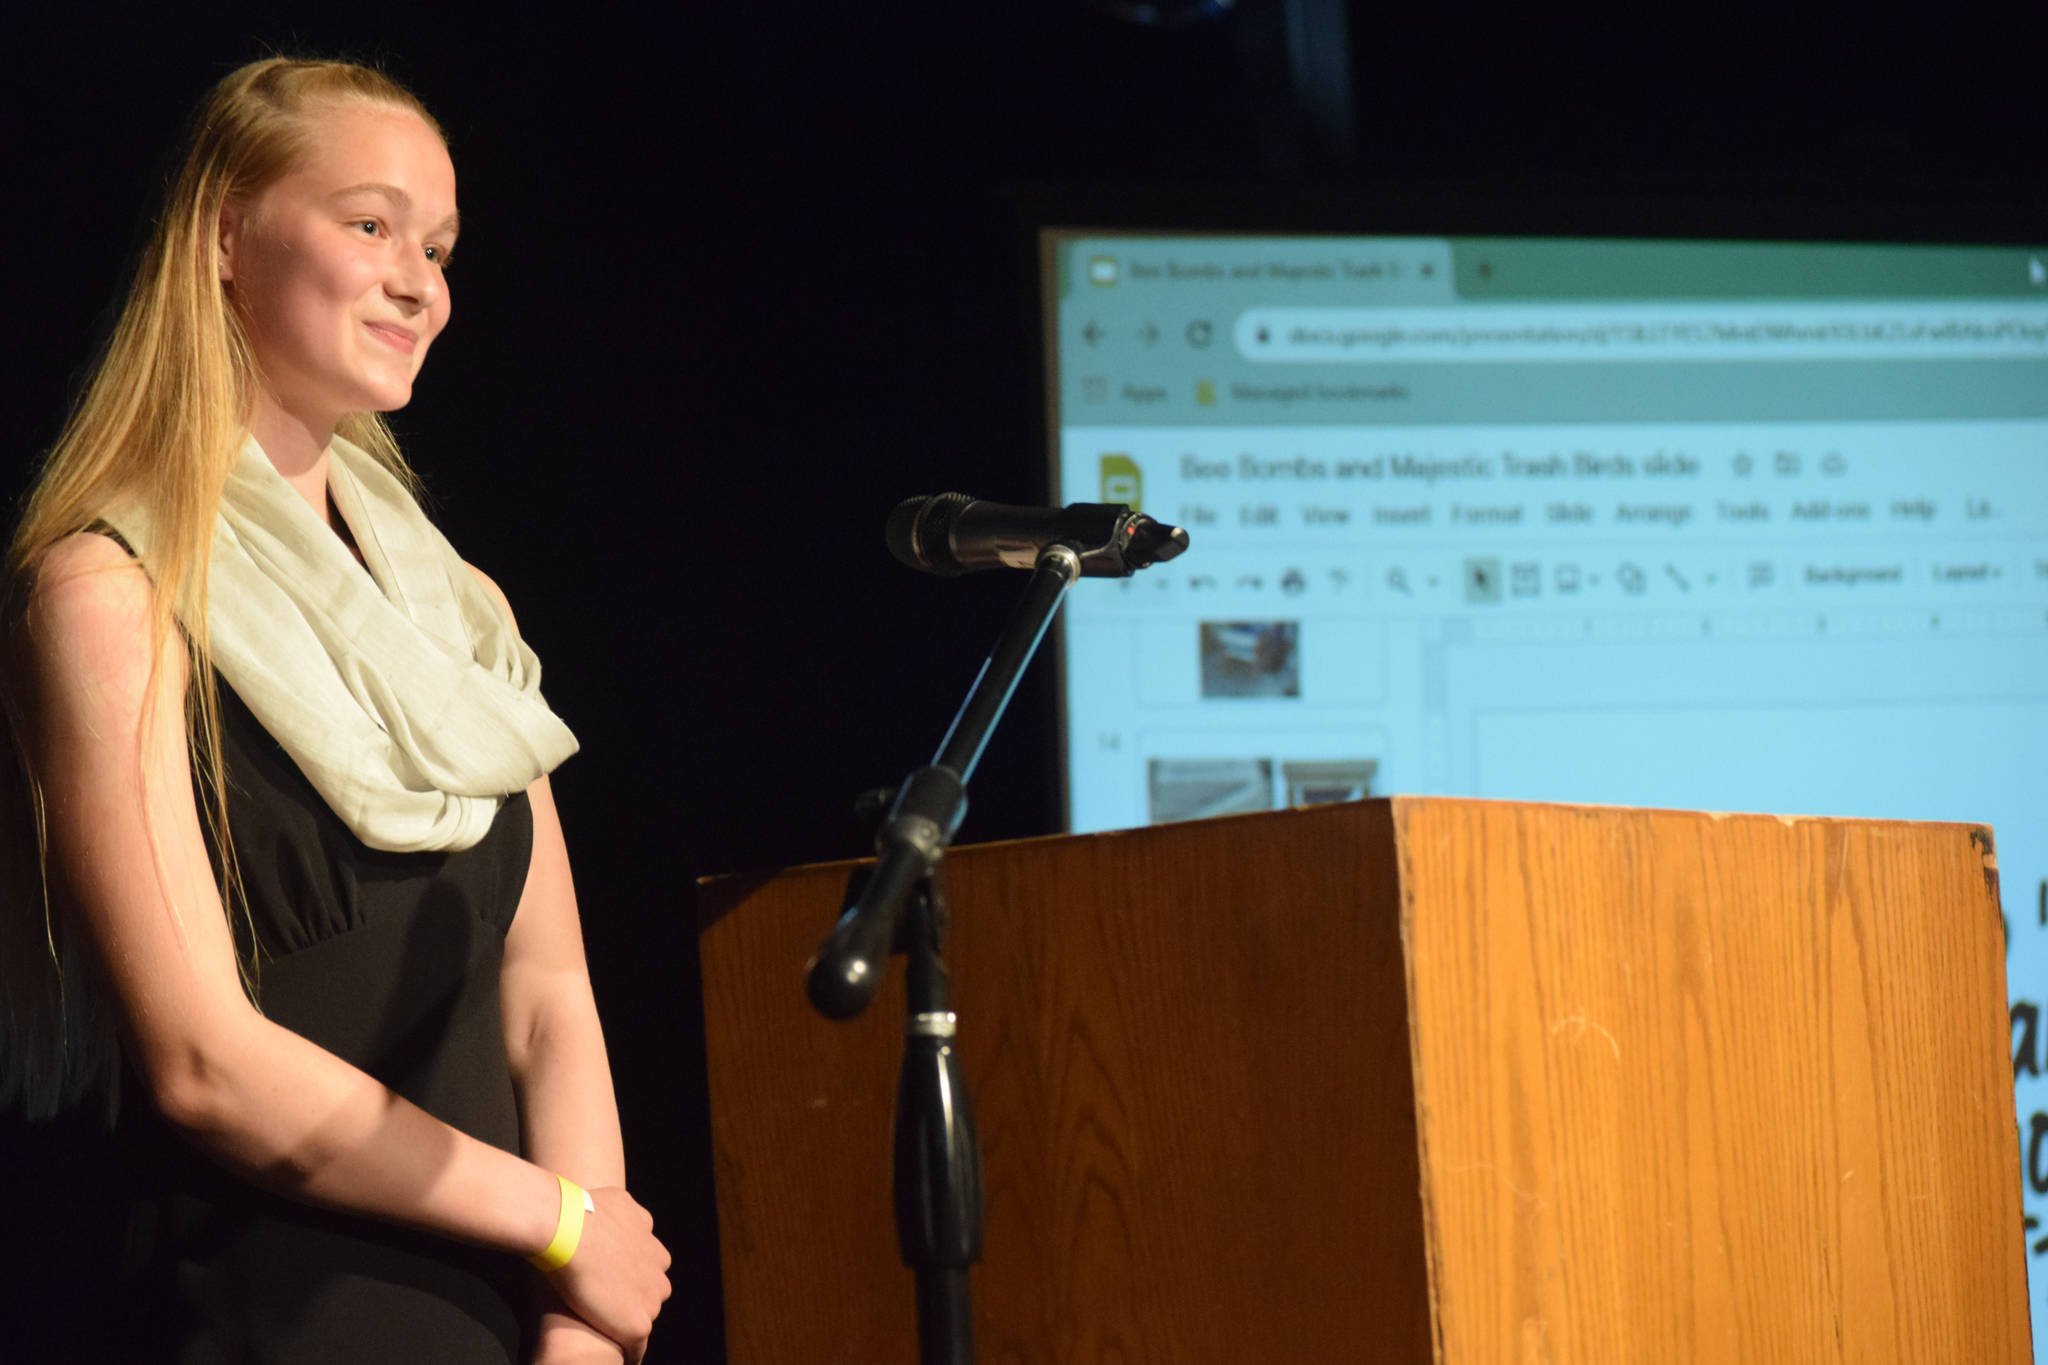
{"x":1515,"y":333}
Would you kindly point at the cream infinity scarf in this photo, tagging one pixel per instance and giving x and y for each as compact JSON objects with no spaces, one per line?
{"x":403,"y":693}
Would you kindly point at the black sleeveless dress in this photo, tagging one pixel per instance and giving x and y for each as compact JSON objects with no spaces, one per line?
{"x":390,"y":961}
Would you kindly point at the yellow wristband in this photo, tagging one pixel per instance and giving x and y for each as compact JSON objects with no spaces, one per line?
{"x":568,"y":1228}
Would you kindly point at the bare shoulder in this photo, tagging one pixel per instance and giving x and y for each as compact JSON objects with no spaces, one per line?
{"x":86,"y":585}
{"x":497,"y":593}
{"x":84,"y":555}
{"x":88,"y":621}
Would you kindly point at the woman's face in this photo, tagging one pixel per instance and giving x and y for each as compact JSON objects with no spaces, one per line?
{"x":336,"y":269}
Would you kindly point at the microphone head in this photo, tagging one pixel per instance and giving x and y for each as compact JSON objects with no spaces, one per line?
{"x":919,"y":533}
{"x":1152,"y":542}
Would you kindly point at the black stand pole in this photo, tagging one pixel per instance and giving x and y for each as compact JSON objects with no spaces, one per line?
{"x":937,"y":1173}
{"x":902,"y":908}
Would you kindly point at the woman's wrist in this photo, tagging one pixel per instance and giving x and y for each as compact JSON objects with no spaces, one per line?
{"x":543,"y":1212}
{"x":564,"y":1336}
{"x":568,"y":1234}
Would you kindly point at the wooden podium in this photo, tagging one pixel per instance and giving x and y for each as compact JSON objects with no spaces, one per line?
{"x":1422,"y":1079}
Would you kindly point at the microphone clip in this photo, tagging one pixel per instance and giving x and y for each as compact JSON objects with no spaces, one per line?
{"x":951,"y":533}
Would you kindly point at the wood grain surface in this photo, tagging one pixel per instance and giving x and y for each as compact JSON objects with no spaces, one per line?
{"x":1690,"y":1089}
{"x":1189,"y":1056}
{"x":1699,"y":1088}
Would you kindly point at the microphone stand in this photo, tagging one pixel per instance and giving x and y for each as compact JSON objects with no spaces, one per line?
{"x":902,"y":908}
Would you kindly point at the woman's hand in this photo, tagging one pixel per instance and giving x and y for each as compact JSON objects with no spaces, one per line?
{"x":565,"y":1339}
{"x":617,"y":1280}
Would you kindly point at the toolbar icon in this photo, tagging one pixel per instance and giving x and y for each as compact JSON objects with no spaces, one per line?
{"x":1201,"y":332}
{"x":1630,"y":575}
{"x":1102,"y":270}
{"x":1525,"y":580}
{"x":1122,"y":480}
{"x":1567,"y":578}
{"x":1482,"y":579}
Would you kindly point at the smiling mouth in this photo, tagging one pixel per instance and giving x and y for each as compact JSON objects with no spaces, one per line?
{"x":395,"y":337}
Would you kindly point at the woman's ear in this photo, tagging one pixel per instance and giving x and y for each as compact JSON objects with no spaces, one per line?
{"x":226,"y":240}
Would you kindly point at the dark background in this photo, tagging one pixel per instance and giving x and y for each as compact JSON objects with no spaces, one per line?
{"x":734,"y":281}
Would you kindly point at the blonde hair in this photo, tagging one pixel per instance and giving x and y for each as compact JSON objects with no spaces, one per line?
{"x":158,"y":424}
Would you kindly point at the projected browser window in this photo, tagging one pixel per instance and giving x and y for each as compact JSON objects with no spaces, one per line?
{"x":1705,"y":525}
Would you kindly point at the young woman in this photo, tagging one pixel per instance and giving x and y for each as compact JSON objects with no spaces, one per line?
{"x":306,"y":886}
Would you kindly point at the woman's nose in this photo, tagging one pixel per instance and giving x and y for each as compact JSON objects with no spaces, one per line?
{"x":417,"y":279}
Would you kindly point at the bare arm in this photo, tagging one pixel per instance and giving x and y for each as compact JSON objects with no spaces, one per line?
{"x":552,"y":1036}
{"x":567,"y":1112}
{"x":569,"y":1116}
{"x":263,"y":1101}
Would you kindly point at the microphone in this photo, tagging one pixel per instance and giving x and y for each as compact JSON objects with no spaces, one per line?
{"x":950,"y":534}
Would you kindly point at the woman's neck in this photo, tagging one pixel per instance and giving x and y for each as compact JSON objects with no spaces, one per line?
{"x":298,"y":450}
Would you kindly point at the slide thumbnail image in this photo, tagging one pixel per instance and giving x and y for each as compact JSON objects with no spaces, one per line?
{"x":1195,"y":788}
{"x":1251,"y":658}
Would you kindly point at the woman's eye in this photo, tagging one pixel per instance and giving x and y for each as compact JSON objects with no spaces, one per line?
{"x":368,"y":225}
{"x":437,"y":256}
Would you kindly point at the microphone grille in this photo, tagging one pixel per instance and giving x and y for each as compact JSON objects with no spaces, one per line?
{"x":919,"y":532}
